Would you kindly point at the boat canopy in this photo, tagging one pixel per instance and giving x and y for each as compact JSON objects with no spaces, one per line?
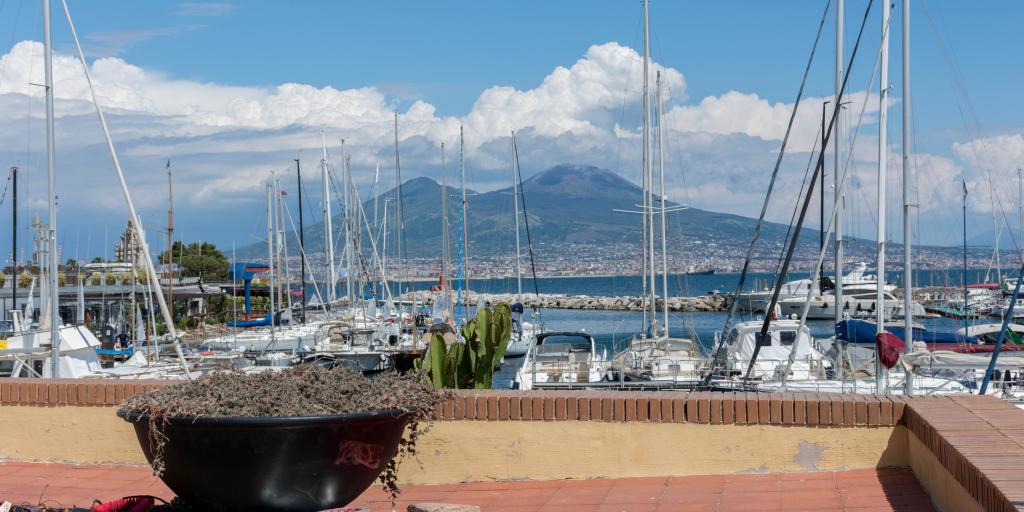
{"x":863,"y":332}
{"x":945,"y":359}
{"x":782,"y":335}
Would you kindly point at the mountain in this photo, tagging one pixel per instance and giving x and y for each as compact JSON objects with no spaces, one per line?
{"x":566,"y":204}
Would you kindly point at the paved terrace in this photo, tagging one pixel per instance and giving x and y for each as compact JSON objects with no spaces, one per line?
{"x":593,"y":451}
{"x":70,"y":485}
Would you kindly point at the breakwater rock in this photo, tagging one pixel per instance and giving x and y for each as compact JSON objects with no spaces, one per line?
{"x":559,"y":301}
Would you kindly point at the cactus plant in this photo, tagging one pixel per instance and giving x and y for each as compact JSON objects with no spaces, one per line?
{"x":470,"y":363}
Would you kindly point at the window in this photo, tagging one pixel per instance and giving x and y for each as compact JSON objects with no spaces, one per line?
{"x":762,"y":340}
{"x":787,"y":337}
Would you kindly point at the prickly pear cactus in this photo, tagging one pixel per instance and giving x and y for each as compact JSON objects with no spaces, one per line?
{"x":470,"y":364}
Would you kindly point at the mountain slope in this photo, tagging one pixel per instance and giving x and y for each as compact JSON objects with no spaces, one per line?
{"x":566,"y":204}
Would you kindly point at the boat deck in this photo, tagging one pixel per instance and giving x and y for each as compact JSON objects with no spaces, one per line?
{"x":863,"y":490}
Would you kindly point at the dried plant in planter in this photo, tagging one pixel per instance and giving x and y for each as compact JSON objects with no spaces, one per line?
{"x":307,"y":390}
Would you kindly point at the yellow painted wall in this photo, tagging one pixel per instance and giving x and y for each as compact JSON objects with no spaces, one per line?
{"x":458,"y":451}
{"x":91,"y":435}
{"x":946,"y":492}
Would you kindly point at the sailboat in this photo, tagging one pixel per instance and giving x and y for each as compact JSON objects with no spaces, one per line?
{"x":69,"y":351}
{"x":793,"y":361}
{"x":524,"y":334}
{"x":654,"y":355}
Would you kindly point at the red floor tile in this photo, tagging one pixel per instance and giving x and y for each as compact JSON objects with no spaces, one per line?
{"x":884,"y":489}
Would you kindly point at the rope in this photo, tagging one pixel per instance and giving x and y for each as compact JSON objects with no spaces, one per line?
{"x":526,"y":221}
{"x":807,"y":201}
{"x":719,"y":349}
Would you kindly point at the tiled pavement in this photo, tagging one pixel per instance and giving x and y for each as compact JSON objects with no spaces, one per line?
{"x":860,"y":490}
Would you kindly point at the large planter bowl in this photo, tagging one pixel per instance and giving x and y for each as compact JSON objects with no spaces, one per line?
{"x":274,"y":463}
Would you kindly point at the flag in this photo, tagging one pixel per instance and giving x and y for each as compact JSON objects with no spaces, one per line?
{"x":284,"y":192}
{"x":965,"y":188}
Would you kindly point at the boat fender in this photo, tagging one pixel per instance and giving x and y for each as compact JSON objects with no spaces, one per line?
{"x":130,"y":503}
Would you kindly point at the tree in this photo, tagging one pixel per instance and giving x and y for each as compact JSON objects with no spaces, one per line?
{"x":98,"y":259}
{"x":198,"y":260}
{"x":71,"y":264}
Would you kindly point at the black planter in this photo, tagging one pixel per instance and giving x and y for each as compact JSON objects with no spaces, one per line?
{"x":275,"y":463}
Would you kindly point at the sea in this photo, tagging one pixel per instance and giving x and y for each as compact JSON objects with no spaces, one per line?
{"x":613,"y":329}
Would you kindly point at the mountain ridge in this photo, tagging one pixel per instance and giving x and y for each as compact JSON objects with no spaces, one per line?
{"x":565,"y":204}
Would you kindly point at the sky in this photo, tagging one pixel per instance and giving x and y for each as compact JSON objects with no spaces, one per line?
{"x":229,"y":92}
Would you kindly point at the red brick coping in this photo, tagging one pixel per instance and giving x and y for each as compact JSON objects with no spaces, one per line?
{"x":979,"y":440}
{"x":811,"y":409}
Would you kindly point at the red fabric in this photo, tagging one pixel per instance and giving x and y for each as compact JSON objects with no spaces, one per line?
{"x":889,"y":349}
{"x":131,"y":503}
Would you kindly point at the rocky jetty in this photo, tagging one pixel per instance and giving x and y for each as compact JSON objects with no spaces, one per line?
{"x":598,"y":303}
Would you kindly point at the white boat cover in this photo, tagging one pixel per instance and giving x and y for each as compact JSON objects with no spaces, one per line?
{"x":946,"y":359}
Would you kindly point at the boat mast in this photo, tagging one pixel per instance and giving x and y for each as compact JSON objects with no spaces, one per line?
{"x":1020,"y":209}
{"x":14,"y":240}
{"x":821,"y":226}
{"x":664,"y":197}
{"x":376,"y":195}
{"x":400,"y":227}
{"x":908,"y":275}
{"x":445,"y":236}
{"x":328,"y":229}
{"x":356,"y":249}
{"x":883,"y":116}
{"x":464,"y":232}
{"x":282,"y":248}
{"x":964,"y":271}
{"x":51,"y":183}
{"x":384,"y":243}
{"x":995,"y":228}
{"x":648,"y":212}
{"x":837,"y":149}
{"x":275,"y":286}
{"x":515,"y":209}
{"x":302,"y":239}
{"x":346,"y":208}
{"x":170,"y":239}
{"x":270,"y":254}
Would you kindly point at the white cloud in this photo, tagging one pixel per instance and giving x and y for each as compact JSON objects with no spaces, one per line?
{"x":749,"y":114}
{"x":225,"y":139}
{"x":992,"y":178}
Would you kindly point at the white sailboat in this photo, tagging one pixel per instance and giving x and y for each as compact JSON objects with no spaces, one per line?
{"x":821,"y":366}
{"x":523,"y":333}
{"x":69,"y":351}
{"x":654,"y":355}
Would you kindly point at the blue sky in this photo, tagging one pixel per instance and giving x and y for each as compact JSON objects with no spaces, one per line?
{"x":447,"y":55}
{"x":448,"y":52}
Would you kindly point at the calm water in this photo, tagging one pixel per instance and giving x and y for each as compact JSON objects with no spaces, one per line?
{"x":612,"y":329}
